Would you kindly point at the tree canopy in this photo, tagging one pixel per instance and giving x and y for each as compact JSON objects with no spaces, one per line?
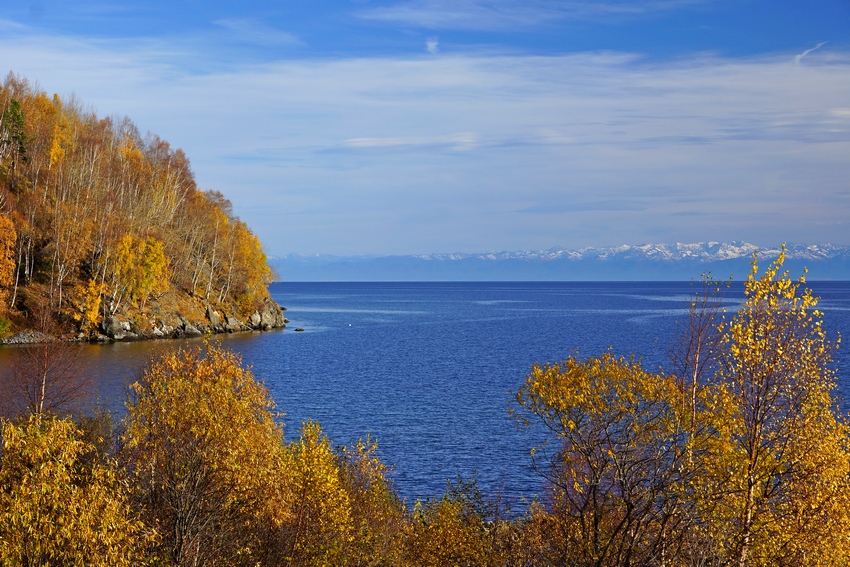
{"x":98,"y":218}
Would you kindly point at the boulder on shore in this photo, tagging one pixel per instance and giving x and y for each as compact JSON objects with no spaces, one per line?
{"x":233,"y":325}
{"x":272,"y":315}
{"x":113,"y":328}
{"x":191,"y":331}
{"x":213,"y":316}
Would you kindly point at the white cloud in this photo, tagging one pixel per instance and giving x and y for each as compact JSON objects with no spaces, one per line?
{"x":459,"y":141}
{"x":362,"y":155}
{"x":511,"y":14}
{"x":259,"y":33}
{"x":432,"y":44}
{"x":799,"y":57}
{"x":12,"y":26}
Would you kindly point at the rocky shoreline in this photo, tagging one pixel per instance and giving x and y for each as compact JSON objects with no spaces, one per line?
{"x":115,"y":329}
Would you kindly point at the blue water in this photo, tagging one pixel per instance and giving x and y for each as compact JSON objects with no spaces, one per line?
{"x":429,"y":368}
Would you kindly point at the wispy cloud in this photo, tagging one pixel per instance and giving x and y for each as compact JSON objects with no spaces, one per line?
{"x":12,"y":26}
{"x":459,"y":141}
{"x":512,"y":14}
{"x":799,"y":57}
{"x":255,"y":32}
{"x":583,"y":206}
{"x":432,"y":44}
{"x":367,"y":149}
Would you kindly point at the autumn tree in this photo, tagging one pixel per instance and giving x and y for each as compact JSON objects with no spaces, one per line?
{"x":696,"y":355}
{"x":106,"y":218}
{"x":377,"y":514}
{"x":207,"y":458}
{"x":59,"y":504}
{"x":738,"y":458}
{"x":48,"y":377}
{"x":788,"y":458}
{"x":618,"y":475}
{"x":320,"y":528}
{"x":13,"y":139}
{"x":452,"y":530}
{"x":8,"y":236}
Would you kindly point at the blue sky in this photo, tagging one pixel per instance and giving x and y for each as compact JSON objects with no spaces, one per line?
{"x":399,"y":127}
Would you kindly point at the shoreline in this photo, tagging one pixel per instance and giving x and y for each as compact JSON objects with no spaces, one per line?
{"x":114,"y":329}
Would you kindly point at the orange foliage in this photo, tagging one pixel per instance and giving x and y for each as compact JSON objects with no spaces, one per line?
{"x":97,"y":202}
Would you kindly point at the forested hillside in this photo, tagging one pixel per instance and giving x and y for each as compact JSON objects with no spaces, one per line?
{"x":99,"y":222}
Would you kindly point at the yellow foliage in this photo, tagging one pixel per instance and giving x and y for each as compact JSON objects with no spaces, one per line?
{"x":57,"y":507}
{"x":208,"y":457}
{"x":620,"y":457}
{"x":141,"y":267}
{"x":87,"y":300}
{"x":255,"y":272}
{"x":786,"y":469}
{"x":153,"y":277}
{"x":749,"y":466}
{"x":62,"y":139}
{"x":129,"y":152}
{"x":79,"y":185}
{"x":8,"y":237}
{"x":449,"y":531}
{"x":377,"y":514}
{"x":322,"y":526}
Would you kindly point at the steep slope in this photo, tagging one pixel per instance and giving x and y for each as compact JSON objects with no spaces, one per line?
{"x":106,"y":231}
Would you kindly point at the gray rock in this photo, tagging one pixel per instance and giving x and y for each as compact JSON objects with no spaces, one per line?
{"x":125,"y":325}
{"x":214,"y":318}
{"x":167,"y":329}
{"x":191,"y":331}
{"x":268,"y":316}
{"x":256,"y":319}
{"x":157,"y":333}
{"x":272,"y":315}
{"x":233,"y":325}
{"x":27,"y":338}
{"x":113,"y":328}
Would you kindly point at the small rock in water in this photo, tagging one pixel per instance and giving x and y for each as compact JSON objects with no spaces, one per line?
{"x":298,"y":330}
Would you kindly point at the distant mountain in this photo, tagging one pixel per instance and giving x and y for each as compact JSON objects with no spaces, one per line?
{"x":646,"y":262}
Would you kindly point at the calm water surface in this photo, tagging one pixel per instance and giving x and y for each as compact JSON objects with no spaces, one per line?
{"x":429,"y":368}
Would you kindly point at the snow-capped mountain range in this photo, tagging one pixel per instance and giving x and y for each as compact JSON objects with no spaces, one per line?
{"x":700,"y":251}
{"x":626,"y":262}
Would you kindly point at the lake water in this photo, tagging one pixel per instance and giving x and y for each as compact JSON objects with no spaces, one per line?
{"x":429,"y":368}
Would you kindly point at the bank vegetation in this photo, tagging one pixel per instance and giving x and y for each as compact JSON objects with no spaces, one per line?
{"x":98,"y":220}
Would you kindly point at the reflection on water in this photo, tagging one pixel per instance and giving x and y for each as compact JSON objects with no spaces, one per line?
{"x":113,"y":366}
